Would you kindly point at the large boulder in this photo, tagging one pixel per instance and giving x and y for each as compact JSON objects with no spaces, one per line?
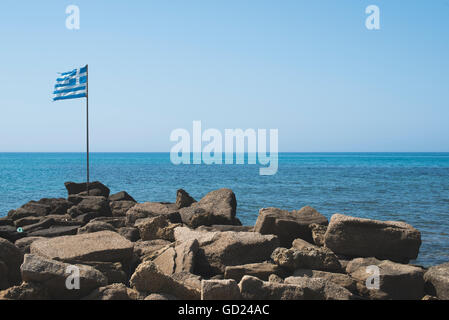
{"x":396,"y":281}
{"x":320,"y":289}
{"x":152,"y":209}
{"x":30,"y":209}
{"x":343,"y":280}
{"x":217,"y":207}
{"x":178,"y":258}
{"x":95,"y":189}
{"x":95,"y":206}
{"x":289,"y":226}
{"x":95,"y":226}
{"x":106,"y":246}
{"x":11,"y":258}
{"x":261,"y":270}
{"x":158,"y":227}
{"x":148,"y":278}
{"x":10,"y":233}
{"x":54,"y":274}
{"x":304,"y":255}
{"x":437,"y":281}
{"x":221,"y":249}
{"x":357,"y":237}
{"x":220,"y":290}
{"x":119,"y":208}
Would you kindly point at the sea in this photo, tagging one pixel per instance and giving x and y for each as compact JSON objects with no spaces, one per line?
{"x":409,"y":187}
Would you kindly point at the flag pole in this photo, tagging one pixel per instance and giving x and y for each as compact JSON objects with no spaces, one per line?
{"x":87,"y":124}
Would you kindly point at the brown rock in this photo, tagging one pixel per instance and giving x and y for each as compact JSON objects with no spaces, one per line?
{"x":252,"y":288}
{"x":152,"y":209}
{"x":260,"y":270}
{"x":116,"y":291}
{"x":437,"y":281}
{"x":178,"y":258}
{"x":220,"y":290}
{"x":25,"y":291}
{"x":12,"y":258}
{"x":183,"y":199}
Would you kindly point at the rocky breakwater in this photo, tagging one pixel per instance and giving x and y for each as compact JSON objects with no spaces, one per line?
{"x":192,"y":249}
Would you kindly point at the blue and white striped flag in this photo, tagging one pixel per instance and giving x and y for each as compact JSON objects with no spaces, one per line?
{"x":71,"y":84}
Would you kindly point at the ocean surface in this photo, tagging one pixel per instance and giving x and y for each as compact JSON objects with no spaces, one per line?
{"x":411,"y":187}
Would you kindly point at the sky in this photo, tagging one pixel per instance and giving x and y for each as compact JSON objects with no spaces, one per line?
{"x":310,"y":69}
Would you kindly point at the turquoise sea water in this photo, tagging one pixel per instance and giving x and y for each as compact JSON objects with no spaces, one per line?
{"x":412,"y":187}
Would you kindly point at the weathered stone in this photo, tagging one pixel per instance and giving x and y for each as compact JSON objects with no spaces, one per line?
{"x":27,"y":221}
{"x":113,"y":271}
{"x":53,"y":275}
{"x":396,"y":281}
{"x":95,"y":205}
{"x":160,"y":296}
{"x":217,"y":207}
{"x":289,"y":226}
{"x":44,"y":223}
{"x":95,"y":189}
{"x":119,"y":208}
{"x":10,"y":233}
{"x":116,"y":222}
{"x":152,"y":209}
{"x":157,"y":227}
{"x":25,"y":243}
{"x":320,"y":289}
{"x":106,"y":246}
{"x":95,"y":226}
{"x":4,"y":282}
{"x":304,"y":255}
{"x":6,"y":221}
{"x":121,"y":196}
{"x":224,"y":227}
{"x":178,"y":258}
{"x":30,"y":209}
{"x":340,"y":279}
{"x":220,"y":290}
{"x":148,"y":278}
{"x":260,"y":270}
{"x":357,"y":237}
{"x":437,"y":281}
{"x":275,"y":278}
{"x":221,"y":249}
{"x":55,"y":231}
{"x":25,"y":291}
{"x":143,"y":248}
{"x":183,"y":199}
{"x":116,"y":291}
{"x":318,"y":232}
{"x":130,"y":233}
{"x":252,"y":288}
{"x":12,"y":258}
{"x":57,"y":206}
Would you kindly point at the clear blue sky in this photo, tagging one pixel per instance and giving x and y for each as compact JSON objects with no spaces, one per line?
{"x":309,"y":68}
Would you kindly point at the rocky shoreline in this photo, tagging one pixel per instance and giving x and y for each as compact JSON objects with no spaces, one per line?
{"x":191,"y":250}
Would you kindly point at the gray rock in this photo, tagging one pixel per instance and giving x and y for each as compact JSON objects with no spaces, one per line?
{"x":220,"y":290}
{"x":52,"y":275}
{"x":437,"y":281}
{"x":289,"y":226}
{"x":357,"y":237}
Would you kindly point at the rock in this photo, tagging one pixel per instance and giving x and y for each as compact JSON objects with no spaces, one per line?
{"x":25,"y":243}
{"x":116,"y":291}
{"x":217,"y":207}
{"x":306,"y":256}
{"x":121,"y":196}
{"x":288,"y":226}
{"x":157,"y":227}
{"x":220,"y":290}
{"x":95,"y":189}
{"x":357,"y":237}
{"x":429,"y":298}
{"x":55,"y":231}
{"x":183,"y":199}
{"x":116,"y":222}
{"x":221,"y":249}
{"x":178,"y":258}
{"x":96,"y":206}
{"x":12,"y":258}
{"x":275,"y":278}
{"x":30,"y":209}
{"x":343,"y":280}
{"x":22,"y":222}
{"x":143,"y":248}
{"x":44,"y":223}
{"x":95,"y":226}
{"x":318,"y":232}
{"x":26,"y":291}
{"x":160,"y":296}
{"x":148,"y":278}
{"x":119,"y":208}
{"x":396,"y":281}
{"x":5,"y":221}
{"x":320,"y":289}
{"x":252,"y":288}
{"x":113,"y":271}
{"x":4,"y":282}
{"x":10,"y":233}
{"x":437,"y":281}
{"x":52,"y":275}
{"x":105,"y":246}
{"x":152,"y":209}
{"x":222,"y":228}
{"x":130,"y":233}
{"x":260,"y":270}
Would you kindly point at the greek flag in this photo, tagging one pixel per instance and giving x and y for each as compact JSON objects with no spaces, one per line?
{"x":71,"y":84}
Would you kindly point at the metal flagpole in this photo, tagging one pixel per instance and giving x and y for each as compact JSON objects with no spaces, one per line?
{"x":87,"y":123}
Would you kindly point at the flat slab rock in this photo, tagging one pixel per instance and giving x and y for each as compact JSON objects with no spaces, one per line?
{"x":106,"y":246}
